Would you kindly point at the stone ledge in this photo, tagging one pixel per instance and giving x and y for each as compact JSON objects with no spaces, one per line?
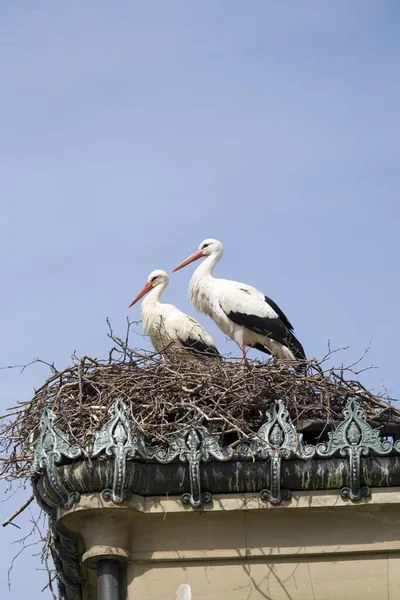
{"x":154,"y":530}
{"x":230,"y":502}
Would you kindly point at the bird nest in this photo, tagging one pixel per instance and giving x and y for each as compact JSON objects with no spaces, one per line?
{"x":164,"y":397}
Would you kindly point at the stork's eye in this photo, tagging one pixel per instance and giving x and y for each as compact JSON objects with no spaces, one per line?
{"x":152,"y":280}
{"x":205,"y":246}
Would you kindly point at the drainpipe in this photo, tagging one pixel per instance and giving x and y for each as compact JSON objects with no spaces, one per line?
{"x":106,"y":540}
{"x":108,"y":579}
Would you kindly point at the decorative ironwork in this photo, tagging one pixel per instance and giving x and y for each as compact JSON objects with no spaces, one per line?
{"x":354,"y":438}
{"x":50,"y":448}
{"x":195,"y":446}
{"x":277,"y":439}
{"x":118,"y":439}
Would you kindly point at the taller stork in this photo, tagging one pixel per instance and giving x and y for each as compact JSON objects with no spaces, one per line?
{"x":241,"y":311}
{"x":169,"y":328}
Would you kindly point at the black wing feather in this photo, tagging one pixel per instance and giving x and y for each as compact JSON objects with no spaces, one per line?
{"x":278,"y":328}
{"x":279,"y":312}
{"x":199,"y":347}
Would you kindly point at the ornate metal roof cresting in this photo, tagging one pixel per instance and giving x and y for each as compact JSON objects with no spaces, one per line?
{"x":117,"y":438}
{"x":354,"y":438}
{"x":195,"y":446}
{"x":277,"y":439}
{"x":50,"y":448}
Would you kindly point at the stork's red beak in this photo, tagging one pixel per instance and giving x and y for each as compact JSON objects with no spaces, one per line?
{"x":142,"y":292}
{"x":195,"y":256}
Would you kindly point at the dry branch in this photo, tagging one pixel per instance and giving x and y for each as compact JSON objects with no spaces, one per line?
{"x":18,"y":512}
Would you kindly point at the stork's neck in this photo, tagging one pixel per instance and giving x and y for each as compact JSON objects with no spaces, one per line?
{"x":206,"y":268}
{"x":200,"y":283}
{"x":153,"y":297}
{"x":150,"y":308}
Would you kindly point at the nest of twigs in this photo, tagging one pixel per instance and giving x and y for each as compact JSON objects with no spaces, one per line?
{"x":164,"y":396}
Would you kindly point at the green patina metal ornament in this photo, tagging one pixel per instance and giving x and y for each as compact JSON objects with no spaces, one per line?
{"x":277,"y":439}
{"x":194,"y":446}
{"x":50,"y":449}
{"x":118,"y":439}
{"x":354,"y":438}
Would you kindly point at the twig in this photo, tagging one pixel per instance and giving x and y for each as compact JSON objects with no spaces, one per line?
{"x":18,"y":512}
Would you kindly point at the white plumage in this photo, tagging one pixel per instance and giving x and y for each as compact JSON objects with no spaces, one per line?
{"x":241,"y":311}
{"x":170,"y":329}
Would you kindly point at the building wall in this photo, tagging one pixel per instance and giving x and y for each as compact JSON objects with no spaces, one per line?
{"x":278,"y":554}
{"x":317,"y":547}
{"x":367,"y":577}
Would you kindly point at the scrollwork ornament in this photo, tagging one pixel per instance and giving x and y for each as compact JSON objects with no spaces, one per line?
{"x":354,"y":438}
{"x":50,"y":449}
{"x":194,"y":446}
{"x":117,"y":439}
{"x":278,"y":439}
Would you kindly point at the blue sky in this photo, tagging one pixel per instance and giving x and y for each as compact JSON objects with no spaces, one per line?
{"x":133,"y":130}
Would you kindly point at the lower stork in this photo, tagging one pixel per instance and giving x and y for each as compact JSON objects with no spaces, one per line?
{"x":168,"y":327}
{"x":242,"y":312}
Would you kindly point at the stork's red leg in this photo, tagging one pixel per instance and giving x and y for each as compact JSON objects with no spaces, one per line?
{"x":243,"y":349}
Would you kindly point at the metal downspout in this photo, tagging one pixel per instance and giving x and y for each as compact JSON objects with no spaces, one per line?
{"x":108,"y":579}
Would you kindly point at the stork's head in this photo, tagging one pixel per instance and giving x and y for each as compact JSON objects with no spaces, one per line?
{"x":208,"y":247}
{"x":157,"y":277}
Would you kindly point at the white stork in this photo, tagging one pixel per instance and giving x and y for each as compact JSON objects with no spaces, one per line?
{"x":242,"y":312}
{"x":167,"y":326}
